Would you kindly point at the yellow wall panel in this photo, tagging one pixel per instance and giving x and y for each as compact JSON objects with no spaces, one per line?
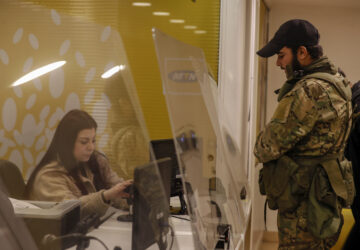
{"x":91,"y":36}
{"x":135,"y":24}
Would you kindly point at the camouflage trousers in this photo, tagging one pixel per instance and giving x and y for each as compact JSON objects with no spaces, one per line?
{"x":294,"y":235}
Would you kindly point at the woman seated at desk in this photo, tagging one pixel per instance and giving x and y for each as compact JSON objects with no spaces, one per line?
{"x":73,"y":169}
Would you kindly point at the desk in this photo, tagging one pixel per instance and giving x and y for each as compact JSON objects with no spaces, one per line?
{"x":114,"y":233}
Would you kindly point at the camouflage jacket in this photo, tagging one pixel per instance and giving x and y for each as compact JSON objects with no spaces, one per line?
{"x":311,"y":118}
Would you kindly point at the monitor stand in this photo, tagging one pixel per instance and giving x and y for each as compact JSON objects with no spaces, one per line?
{"x":126,"y":217}
{"x":183,"y":209}
{"x":178,"y":191}
{"x":179,"y":210}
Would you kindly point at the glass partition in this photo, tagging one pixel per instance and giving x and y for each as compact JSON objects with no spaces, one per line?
{"x":217,"y":200}
{"x":52,"y":63}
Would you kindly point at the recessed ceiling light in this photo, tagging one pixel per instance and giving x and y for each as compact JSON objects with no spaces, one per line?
{"x":190,"y":27}
{"x":200,"y":31}
{"x":141,"y":4}
{"x":177,"y":21}
{"x":161,"y":13}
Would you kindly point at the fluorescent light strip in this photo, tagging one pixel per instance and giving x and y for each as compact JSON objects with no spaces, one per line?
{"x":141,"y":4}
{"x":200,"y":31}
{"x":112,"y":71}
{"x":161,"y":13}
{"x":38,"y":72}
{"x":177,"y":21}
{"x":190,"y":27}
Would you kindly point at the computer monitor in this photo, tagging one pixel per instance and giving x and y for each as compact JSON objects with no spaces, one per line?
{"x":166,"y":148}
{"x":151,"y":204}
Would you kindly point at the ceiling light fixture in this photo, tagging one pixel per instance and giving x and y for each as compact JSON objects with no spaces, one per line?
{"x":177,"y":21}
{"x":38,"y":72}
{"x":161,"y":13}
{"x":190,"y":27}
{"x":200,"y":31}
{"x":141,"y":4}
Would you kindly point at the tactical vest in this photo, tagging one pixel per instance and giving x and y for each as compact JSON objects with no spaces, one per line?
{"x":326,"y":182}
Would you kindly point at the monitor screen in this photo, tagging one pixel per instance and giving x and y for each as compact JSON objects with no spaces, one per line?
{"x":166,"y":148}
{"x":151,"y":191}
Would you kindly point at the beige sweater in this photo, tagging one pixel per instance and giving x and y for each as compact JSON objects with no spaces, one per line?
{"x":53,"y":183}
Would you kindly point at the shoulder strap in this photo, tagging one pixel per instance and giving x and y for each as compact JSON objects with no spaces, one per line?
{"x":338,"y":84}
{"x":343,"y":90}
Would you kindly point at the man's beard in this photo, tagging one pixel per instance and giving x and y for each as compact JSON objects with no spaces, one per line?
{"x":292,"y":70}
{"x":296,"y":64}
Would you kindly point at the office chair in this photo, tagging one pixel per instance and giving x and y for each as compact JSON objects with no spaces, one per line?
{"x":12,"y":179}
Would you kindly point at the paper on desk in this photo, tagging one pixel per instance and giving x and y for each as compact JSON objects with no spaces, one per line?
{"x":22,"y":204}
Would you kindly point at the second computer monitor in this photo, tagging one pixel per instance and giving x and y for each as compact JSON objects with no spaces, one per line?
{"x":166,"y":148}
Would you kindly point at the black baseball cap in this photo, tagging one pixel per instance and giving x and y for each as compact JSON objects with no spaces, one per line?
{"x":295,"y":32}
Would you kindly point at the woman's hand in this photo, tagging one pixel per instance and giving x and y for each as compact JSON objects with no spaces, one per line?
{"x":117,"y":191}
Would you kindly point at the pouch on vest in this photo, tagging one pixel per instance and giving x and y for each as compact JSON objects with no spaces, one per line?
{"x":348,"y":178}
{"x":265,"y":183}
{"x":323,"y":208}
{"x":340,"y":175}
{"x":275,"y":180}
{"x":331,"y":189}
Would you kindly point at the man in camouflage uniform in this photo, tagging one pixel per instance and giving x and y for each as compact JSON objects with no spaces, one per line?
{"x":308,"y":130}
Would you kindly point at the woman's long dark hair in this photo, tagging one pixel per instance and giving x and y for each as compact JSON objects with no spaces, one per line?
{"x":62,"y":146}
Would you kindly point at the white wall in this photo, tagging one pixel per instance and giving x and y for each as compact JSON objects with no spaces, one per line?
{"x":339,"y":36}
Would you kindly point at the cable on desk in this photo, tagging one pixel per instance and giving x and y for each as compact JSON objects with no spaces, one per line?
{"x":172,"y":235}
{"x":181,"y":218}
{"x":101,"y":242}
{"x":74,"y":239}
{"x":101,"y":221}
